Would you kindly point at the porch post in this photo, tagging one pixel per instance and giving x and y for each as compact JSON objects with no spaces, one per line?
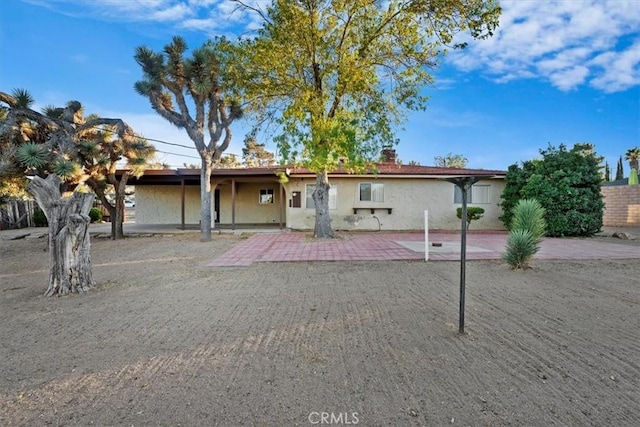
{"x":281,"y":204}
{"x":233,"y":204}
{"x":182,"y":198}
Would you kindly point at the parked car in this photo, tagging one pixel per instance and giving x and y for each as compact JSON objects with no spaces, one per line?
{"x":129,"y":203}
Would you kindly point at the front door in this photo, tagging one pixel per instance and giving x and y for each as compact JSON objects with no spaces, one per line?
{"x":216,"y":206}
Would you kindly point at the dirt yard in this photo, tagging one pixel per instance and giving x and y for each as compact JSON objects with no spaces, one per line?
{"x":165,"y":340}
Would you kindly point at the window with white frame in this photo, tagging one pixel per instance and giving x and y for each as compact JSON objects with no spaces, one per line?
{"x":479,"y":194}
{"x":266,"y":196}
{"x":333,"y":197}
{"x":371,"y":192}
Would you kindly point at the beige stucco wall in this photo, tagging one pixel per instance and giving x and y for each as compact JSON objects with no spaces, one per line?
{"x":248,"y":208}
{"x":160,"y":204}
{"x":408,"y":198}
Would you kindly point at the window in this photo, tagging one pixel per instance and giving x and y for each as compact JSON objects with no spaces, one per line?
{"x":478,"y":194}
{"x":266,"y":196}
{"x":371,"y":192}
{"x":333,"y":197}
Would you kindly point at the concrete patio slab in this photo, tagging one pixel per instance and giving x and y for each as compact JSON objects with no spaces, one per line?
{"x":381,"y":246}
{"x":446,"y":247}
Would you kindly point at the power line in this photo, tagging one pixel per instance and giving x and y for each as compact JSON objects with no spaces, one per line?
{"x":185,"y":146}
{"x":168,"y":143}
{"x":176,"y":154}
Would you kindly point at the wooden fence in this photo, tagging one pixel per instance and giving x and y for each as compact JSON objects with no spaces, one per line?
{"x":17,"y":214}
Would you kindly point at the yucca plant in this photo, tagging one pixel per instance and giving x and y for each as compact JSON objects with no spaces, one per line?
{"x":520,"y":249}
{"x":527,"y":229}
{"x":32,"y":155}
{"x":529,"y":215}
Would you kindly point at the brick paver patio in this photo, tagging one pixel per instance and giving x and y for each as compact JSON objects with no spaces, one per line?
{"x":381,"y":246}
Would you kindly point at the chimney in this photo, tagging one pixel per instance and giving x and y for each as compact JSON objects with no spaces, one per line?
{"x":388,"y":155}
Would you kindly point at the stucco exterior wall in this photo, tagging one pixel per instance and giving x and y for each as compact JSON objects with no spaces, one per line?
{"x":249,"y":210}
{"x":160,"y":204}
{"x":622,"y":205}
{"x":407,"y":197}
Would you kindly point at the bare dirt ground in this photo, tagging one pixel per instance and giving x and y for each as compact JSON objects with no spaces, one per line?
{"x":165,"y":340}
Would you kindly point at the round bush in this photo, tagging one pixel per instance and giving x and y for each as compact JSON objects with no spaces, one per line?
{"x":39,"y":218}
{"x":95,"y":214}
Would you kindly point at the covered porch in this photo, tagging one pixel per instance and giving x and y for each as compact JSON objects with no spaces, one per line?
{"x":241,"y":198}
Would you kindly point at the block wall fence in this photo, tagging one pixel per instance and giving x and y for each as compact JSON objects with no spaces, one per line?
{"x":622,"y":205}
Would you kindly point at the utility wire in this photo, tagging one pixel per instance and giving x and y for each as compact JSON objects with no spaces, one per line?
{"x":176,"y":154}
{"x":169,"y":143}
{"x":185,"y":146}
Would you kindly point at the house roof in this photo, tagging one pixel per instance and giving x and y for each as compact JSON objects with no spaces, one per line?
{"x":192,"y":176}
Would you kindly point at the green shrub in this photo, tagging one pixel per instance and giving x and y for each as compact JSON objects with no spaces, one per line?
{"x":95,"y":214}
{"x":39,"y":218}
{"x":473,"y":213}
{"x":567,"y":185}
{"x":527,"y":229}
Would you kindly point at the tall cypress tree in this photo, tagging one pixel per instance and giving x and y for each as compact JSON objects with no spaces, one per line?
{"x":619,"y":170}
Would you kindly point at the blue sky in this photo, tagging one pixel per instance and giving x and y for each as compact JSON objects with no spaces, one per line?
{"x":557,"y":71}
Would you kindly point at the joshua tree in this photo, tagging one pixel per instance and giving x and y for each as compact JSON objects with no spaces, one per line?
{"x":49,"y":145}
{"x":169,"y":79}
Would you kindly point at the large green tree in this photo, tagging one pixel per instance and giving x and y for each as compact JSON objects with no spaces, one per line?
{"x":340,"y":74}
{"x":567,"y":184}
{"x":194,"y":94}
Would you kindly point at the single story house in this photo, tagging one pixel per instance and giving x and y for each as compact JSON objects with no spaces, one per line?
{"x":393,"y":197}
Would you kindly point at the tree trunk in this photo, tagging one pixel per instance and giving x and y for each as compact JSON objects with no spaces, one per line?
{"x":110,"y":208}
{"x":205,"y":199}
{"x":321,"y":198}
{"x":117,"y":216}
{"x":69,"y":245}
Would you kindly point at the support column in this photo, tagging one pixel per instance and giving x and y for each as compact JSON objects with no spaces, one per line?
{"x":182,"y":203}
{"x":282,"y":195}
{"x":233,"y":204}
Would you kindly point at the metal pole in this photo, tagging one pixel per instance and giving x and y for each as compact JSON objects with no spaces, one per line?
{"x":426,"y":235}
{"x":463,"y":255}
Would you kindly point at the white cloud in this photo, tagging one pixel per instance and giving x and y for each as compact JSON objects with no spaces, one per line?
{"x":212,"y":17}
{"x":620,"y":70}
{"x":568,"y":42}
{"x":174,"y":13}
